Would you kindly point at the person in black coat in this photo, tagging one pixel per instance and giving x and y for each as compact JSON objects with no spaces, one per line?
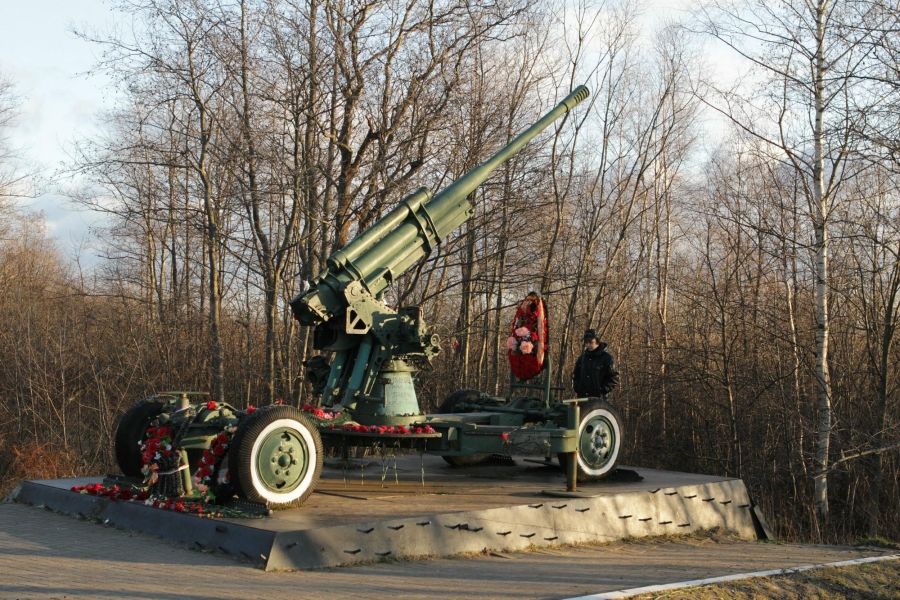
{"x":595,"y":373}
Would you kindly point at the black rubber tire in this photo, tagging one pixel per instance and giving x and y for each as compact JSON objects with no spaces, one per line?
{"x":448,"y":406}
{"x":241,"y":462}
{"x":131,"y":432}
{"x":587,"y":408}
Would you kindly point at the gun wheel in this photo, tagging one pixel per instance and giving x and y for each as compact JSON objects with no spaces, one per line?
{"x":599,"y":440}
{"x":130,"y":433}
{"x":448,"y":406}
{"x":276,"y":457}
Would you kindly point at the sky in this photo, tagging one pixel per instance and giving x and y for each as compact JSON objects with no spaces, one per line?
{"x":61,"y":102}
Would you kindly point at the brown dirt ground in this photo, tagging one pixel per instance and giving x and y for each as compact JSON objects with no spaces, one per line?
{"x":871,"y":581}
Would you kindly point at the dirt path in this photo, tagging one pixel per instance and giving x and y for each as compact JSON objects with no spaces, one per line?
{"x":45,"y":555}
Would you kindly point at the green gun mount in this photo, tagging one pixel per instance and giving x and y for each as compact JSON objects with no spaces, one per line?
{"x":376,"y":347}
{"x":275,"y":456}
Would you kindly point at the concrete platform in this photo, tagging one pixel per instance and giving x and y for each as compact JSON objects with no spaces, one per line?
{"x":379,"y":509}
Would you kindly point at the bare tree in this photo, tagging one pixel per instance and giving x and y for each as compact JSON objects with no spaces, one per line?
{"x":801,"y":105}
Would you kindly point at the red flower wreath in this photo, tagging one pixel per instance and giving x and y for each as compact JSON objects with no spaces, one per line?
{"x":157,"y":443}
{"x":528,"y":340}
{"x":206,"y":478}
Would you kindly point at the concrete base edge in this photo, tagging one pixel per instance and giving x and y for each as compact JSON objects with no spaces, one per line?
{"x":544,"y":522}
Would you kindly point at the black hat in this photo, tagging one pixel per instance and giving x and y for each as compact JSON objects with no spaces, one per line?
{"x":590,"y":334}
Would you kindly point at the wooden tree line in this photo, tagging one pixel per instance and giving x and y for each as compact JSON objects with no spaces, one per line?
{"x":748,"y":288}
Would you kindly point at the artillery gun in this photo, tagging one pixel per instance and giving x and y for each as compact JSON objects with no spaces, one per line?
{"x":274,"y":455}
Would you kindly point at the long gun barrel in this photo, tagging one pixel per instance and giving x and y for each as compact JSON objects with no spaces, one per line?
{"x":408,"y":232}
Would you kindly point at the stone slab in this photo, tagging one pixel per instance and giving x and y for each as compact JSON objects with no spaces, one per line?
{"x":379,"y":509}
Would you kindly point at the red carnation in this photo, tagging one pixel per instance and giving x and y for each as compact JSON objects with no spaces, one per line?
{"x":204,"y":472}
{"x":142,"y":495}
{"x":402,"y":429}
{"x":151,"y":431}
{"x":125,"y":495}
{"x":320,"y":414}
{"x":211,"y":405}
{"x":74,"y":488}
{"x":308,"y":407}
{"x":419,"y":430}
{"x":163,"y":431}
{"x":220,"y":450}
{"x":504,"y":436}
{"x":167,"y":453}
{"x":250,"y":409}
{"x":222,"y":438}
{"x":156,"y":504}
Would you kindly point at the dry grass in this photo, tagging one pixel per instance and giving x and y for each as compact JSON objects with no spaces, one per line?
{"x":870,"y":581}
{"x":32,"y":461}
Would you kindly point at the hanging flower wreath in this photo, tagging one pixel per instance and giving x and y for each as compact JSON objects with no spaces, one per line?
{"x":156,"y":445}
{"x":212,"y":478}
{"x":528,"y":337}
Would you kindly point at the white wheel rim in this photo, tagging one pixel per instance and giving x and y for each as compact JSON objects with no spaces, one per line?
{"x":613,"y":454}
{"x":311,"y":452}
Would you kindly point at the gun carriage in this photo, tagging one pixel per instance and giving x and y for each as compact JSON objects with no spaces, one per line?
{"x":274,"y":454}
